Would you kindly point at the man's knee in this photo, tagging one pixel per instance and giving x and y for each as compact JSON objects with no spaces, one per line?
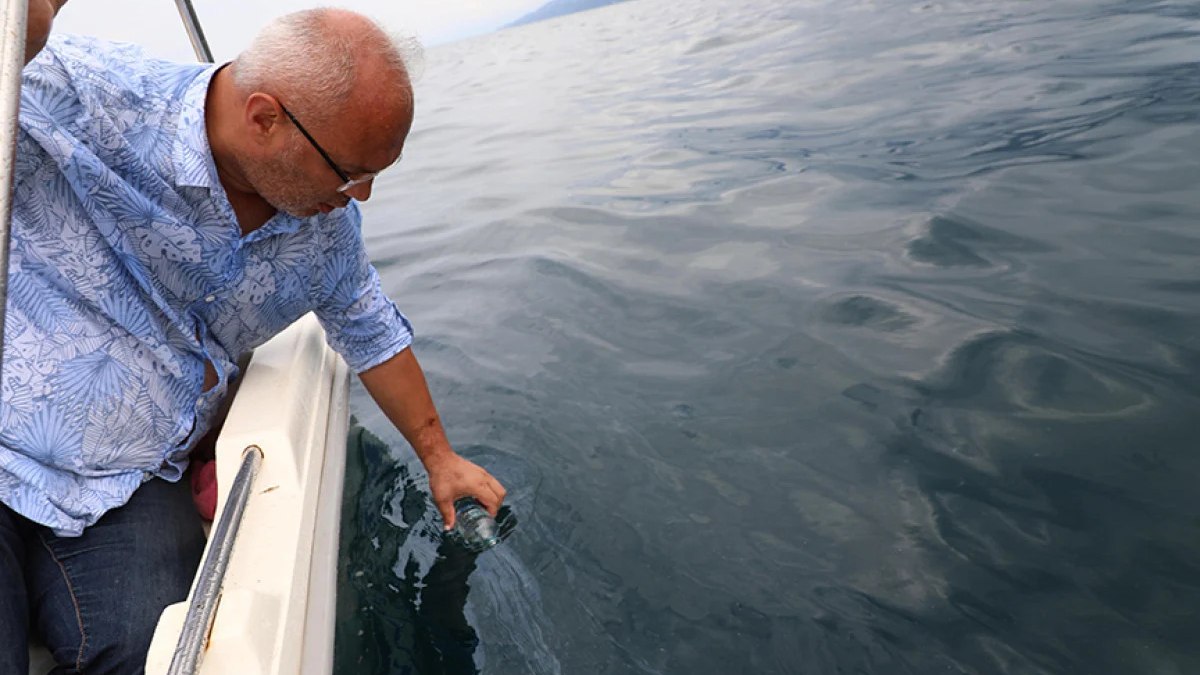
{"x":118,"y":652}
{"x":110,"y":640}
{"x":100,"y":595}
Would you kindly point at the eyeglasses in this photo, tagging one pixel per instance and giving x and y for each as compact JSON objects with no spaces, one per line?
{"x":347,"y":181}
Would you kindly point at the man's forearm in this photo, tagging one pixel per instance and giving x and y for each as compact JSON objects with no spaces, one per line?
{"x":399,"y":388}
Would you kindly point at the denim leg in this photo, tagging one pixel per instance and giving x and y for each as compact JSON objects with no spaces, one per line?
{"x":96,"y":598}
{"x":14,"y":604}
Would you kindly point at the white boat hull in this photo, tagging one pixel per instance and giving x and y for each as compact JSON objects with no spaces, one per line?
{"x":277,"y":603}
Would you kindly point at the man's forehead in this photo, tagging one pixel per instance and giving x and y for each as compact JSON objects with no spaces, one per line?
{"x":382,"y":119}
{"x":373,"y":122}
{"x":376,"y":142}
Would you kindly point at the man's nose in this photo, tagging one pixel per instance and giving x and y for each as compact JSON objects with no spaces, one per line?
{"x":361,"y":191}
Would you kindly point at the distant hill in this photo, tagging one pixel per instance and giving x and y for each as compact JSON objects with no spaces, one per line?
{"x":559,"y":8}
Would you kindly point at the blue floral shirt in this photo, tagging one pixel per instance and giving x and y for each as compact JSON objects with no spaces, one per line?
{"x":128,"y":271}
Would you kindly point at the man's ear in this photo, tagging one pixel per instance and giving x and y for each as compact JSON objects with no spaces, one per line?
{"x":263,"y":116}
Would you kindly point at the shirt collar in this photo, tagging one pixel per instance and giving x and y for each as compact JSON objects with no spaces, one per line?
{"x":190,"y":153}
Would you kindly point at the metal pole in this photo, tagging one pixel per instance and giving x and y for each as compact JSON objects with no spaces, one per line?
{"x":12,"y":60}
{"x":195,"y":33}
{"x":201,"y":613}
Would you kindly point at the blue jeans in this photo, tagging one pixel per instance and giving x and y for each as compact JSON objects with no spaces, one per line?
{"x":94,"y":600}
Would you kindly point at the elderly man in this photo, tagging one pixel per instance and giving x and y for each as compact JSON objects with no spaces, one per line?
{"x":167,"y":218}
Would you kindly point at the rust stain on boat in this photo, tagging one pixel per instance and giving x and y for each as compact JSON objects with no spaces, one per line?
{"x":211,"y":624}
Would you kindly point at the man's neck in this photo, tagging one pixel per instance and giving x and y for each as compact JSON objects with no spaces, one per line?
{"x":220,"y":117}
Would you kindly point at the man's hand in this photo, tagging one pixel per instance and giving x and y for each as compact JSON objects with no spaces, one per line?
{"x":37,"y":28}
{"x":398,"y":386}
{"x":451,"y":477}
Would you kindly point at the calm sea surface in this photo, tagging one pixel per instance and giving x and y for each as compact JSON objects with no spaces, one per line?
{"x":824,"y":336}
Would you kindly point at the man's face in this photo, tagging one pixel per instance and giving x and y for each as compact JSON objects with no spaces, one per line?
{"x":287,"y":182}
{"x":299,"y":181}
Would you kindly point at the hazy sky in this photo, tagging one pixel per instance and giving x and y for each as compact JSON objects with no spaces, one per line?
{"x":230,"y":24}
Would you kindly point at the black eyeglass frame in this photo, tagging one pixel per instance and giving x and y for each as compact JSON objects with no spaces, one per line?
{"x":347,"y":181}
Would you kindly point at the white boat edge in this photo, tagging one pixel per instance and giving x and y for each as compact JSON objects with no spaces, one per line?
{"x":278,"y":600}
{"x":277,"y":607}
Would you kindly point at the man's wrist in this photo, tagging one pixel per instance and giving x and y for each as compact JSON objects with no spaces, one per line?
{"x":433,"y":454}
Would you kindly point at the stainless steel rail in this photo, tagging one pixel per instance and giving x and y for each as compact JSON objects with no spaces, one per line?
{"x":12,"y":60}
{"x":192,"y":23}
{"x":198,"y":623}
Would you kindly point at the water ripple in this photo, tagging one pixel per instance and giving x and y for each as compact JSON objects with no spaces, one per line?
{"x":808,"y":337}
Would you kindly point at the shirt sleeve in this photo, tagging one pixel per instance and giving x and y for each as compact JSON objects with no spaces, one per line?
{"x":361,"y":322}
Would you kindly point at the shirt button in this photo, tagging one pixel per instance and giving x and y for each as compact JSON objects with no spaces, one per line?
{"x":209,"y":298}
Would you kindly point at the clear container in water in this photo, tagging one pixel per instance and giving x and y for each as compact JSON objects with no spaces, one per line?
{"x":474,"y":529}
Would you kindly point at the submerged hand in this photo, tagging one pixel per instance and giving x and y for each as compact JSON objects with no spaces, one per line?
{"x":451,"y":478}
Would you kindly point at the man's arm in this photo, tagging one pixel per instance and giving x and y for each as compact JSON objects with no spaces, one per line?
{"x":398,"y":386}
{"x":37,"y":29}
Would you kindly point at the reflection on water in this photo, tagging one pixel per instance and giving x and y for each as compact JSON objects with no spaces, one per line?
{"x":418,"y":606}
{"x":807,"y":337}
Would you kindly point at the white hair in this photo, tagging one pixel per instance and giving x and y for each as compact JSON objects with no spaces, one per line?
{"x":311,"y":65}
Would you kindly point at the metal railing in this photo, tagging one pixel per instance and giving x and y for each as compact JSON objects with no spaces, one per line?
{"x":12,"y":60}
{"x":201,"y":613}
{"x":197,"y":625}
{"x":192,"y":24}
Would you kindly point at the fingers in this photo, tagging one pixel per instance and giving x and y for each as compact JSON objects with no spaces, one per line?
{"x":469,"y":480}
{"x":491,"y":494}
{"x":499,"y":491}
{"x":446,"y":508}
{"x":489,"y":499}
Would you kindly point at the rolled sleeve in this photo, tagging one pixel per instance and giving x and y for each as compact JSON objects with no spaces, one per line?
{"x":361,"y":322}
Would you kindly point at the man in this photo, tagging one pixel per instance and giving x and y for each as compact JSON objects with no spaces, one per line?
{"x":167,"y":218}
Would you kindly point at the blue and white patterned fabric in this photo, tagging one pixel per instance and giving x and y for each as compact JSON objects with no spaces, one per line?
{"x":128,"y":271}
